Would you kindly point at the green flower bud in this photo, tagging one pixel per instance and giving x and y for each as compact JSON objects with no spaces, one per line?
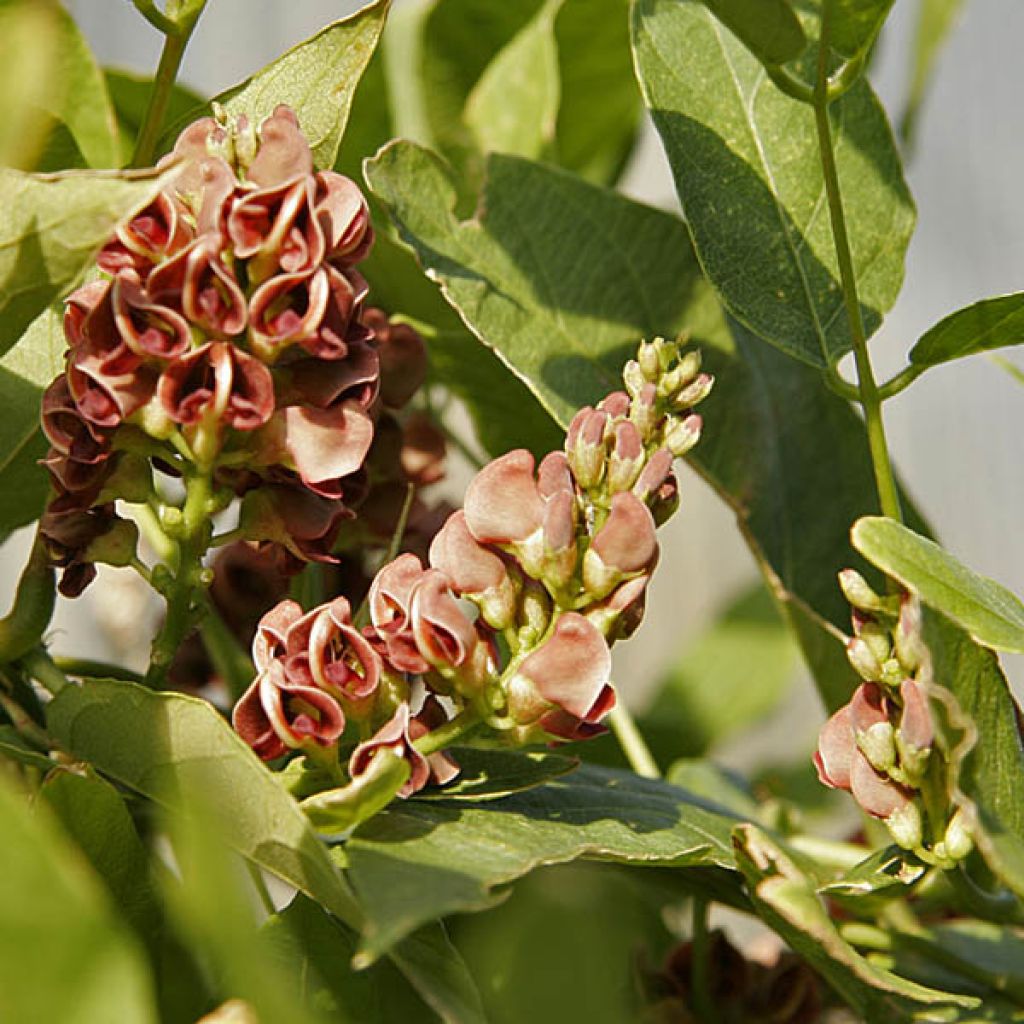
{"x":910,"y":647}
{"x":878,"y":744}
{"x":647,"y":359}
{"x":905,"y":826}
{"x":858,"y":593}
{"x":863,"y":660}
{"x":694,"y":392}
{"x":633,"y":377}
{"x":683,"y":434}
{"x":958,"y":839}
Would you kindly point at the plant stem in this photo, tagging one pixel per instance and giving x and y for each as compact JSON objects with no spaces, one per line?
{"x":41,"y":667}
{"x":166,"y":73}
{"x":91,"y":669}
{"x":640,"y":758}
{"x":448,"y":733}
{"x":870,"y":399}
{"x":700,"y":965}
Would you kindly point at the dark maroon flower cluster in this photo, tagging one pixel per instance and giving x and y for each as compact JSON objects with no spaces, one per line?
{"x":225,"y":328}
{"x":509,"y":624}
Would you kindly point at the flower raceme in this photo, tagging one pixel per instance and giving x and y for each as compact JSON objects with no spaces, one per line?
{"x":225,"y":334}
{"x":506,"y":630}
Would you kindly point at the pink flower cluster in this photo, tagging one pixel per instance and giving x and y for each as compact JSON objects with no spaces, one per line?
{"x":511,"y":619}
{"x":227,"y":315}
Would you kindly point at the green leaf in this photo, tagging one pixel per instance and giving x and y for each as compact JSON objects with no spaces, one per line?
{"x":856,"y":23}
{"x":514,"y":105}
{"x":558,"y":276}
{"x":935,"y":20}
{"x":63,"y":954}
{"x":735,"y":673}
{"x":317,"y":79}
{"x":423,"y":859}
{"x":988,"y":324}
{"x":51,"y":226}
{"x":338,"y":810}
{"x":746,"y":166}
{"x":130,"y":93}
{"x":317,"y":951}
{"x":171,"y":747}
{"x":769,"y":28}
{"x":94,"y":815}
{"x":25,"y":372}
{"x":54,"y":87}
{"x":993,"y":615}
{"x":492,"y":774}
{"x":786,"y":900}
{"x":716,"y":785}
{"x":885,"y":875}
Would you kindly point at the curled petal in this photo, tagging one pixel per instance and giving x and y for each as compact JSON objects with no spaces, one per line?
{"x":79,"y":304}
{"x":916,"y":728}
{"x":149,"y":237}
{"x":390,"y":601}
{"x":565,"y":726}
{"x":293,"y":516}
{"x":71,"y":434}
{"x":323,"y":383}
{"x":627,"y":541}
{"x":502,"y":503}
{"x":326,"y":444}
{"x":288,"y":309}
{"x":344,"y":218}
{"x":340,"y":327}
{"x":284,"y":152}
{"x":619,"y":615}
{"x":340,"y":658}
{"x":394,"y":734}
{"x":443,"y":767}
{"x":868,"y":707}
{"x":471,"y":567}
{"x":837,"y":747}
{"x":876,"y":793}
{"x":403,"y":358}
{"x":444,"y":636}
{"x":103,"y":397}
{"x":148,"y":328}
{"x":272,"y":631}
{"x":569,"y":670}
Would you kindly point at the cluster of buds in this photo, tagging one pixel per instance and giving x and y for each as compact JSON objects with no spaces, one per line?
{"x":881,"y":745}
{"x":224,"y":334}
{"x":508,"y":626}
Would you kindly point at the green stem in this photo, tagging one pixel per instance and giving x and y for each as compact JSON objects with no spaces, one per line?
{"x":41,"y":667}
{"x":22,"y":721}
{"x":403,"y":521}
{"x":229,"y":659}
{"x":700,"y":966}
{"x":22,"y":628}
{"x":902,"y":380}
{"x":790,"y":84}
{"x":445,"y":735}
{"x":152,"y":532}
{"x":166,"y":73}
{"x":90,"y":669}
{"x":640,"y":758}
{"x":870,"y":399}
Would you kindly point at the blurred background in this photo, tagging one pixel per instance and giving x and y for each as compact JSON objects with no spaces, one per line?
{"x":952,"y":433}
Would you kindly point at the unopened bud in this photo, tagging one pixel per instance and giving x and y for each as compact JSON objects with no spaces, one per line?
{"x":627,"y":457}
{"x":857,"y":591}
{"x":643,"y":410}
{"x":694,"y":392}
{"x":878,"y":744}
{"x":585,"y":448}
{"x":689,"y":365}
{"x":534,"y":612}
{"x":958,"y":839}
{"x":863,"y":660}
{"x":633,"y":377}
{"x":905,"y":826}
{"x":683,"y":434}
{"x":877,"y":638}
{"x":647,"y":359}
{"x":910,"y":647}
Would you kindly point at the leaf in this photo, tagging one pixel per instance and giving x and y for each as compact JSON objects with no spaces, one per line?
{"x":885,"y":875}
{"x":94,"y":815}
{"x":51,"y":226}
{"x":317,"y":952}
{"x":988,"y":324}
{"x":769,"y":28}
{"x":25,"y":372}
{"x":935,"y":20}
{"x":514,"y":104}
{"x":492,"y":774}
{"x":171,"y":747}
{"x":714,"y":784}
{"x":993,"y":615}
{"x":54,"y":87}
{"x":746,"y":166}
{"x":317,"y":79}
{"x":129,"y":94}
{"x":338,"y":810}
{"x":560,"y":277}
{"x":787,"y":902}
{"x":423,"y":859}
{"x":63,"y":955}
{"x":736,"y":672}
{"x":856,"y":23}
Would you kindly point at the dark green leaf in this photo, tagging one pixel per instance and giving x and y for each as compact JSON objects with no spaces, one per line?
{"x":988,"y":324}
{"x":93,"y":814}
{"x":716,"y":785}
{"x":558,"y":276}
{"x":746,"y":165}
{"x":514,"y":104}
{"x":422,"y":859}
{"x":786,"y":900}
{"x":993,"y":615}
{"x":130,"y":93}
{"x":769,"y":28}
{"x":491,"y":774}
{"x":63,"y":954}
{"x":171,"y":747}
{"x":736,"y":672}
{"x":14,"y":748}
{"x":317,"y":79}
{"x":51,"y":227}
{"x":935,"y":20}
{"x":25,"y":372}
{"x":316,"y":951}
{"x":856,"y":23}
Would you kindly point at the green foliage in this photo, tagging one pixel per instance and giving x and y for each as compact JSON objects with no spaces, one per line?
{"x":985,"y":325}
{"x":129,"y":94}
{"x":58,"y":924}
{"x":856,"y":23}
{"x":770,"y":30}
{"x":424,"y":859}
{"x":993,"y":615}
{"x":746,"y":167}
{"x":493,"y":774}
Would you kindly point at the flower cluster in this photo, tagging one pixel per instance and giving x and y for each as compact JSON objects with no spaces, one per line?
{"x":878,"y":747}
{"x":507,"y":627}
{"x":224,"y":335}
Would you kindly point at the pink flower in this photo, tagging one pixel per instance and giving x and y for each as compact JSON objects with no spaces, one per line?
{"x":283,"y":153}
{"x":341,"y":660}
{"x":568,"y":675}
{"x":390,"y":602}
{"x":205,"y":181}
{"x":275,"y":715}
{"x":444,"y":635}
{"x":150,"y":237}
{"x":344,"y":218}
{"x":288,"y":309}
{"x":503,"y":505}
{"x":403,"y":358}
{"x":394,"y":735}
{"x":150,"y":330}
{"x":625,"y":545}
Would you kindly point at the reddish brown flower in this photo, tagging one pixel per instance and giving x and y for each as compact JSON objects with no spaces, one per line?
{"x":323,"y":383}
{"x":149,"y":329}
{"x":305,"y":523}
{"x":151,"y":236}
{"x":394,"y":736}
{"x":403,"y":358}
{"x":344,"y":218}
{"x":626,"y":544}
{"x":283,"y":154}
{"x":71,"y":433}
{"x":503,"y":505}
{"x":288,"y":309}
{"x":444,"y":635}
{"x":205,"y":181}
{"x":341,"y":659}
{"x":390,"y":601}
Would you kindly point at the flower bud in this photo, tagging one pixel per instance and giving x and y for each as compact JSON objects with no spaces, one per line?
{"x":916,"y":732}
{"x":648,"y":360}
{"x":908,"y":641}
{"x":653,"y":475}
{"x":958,"y":839}
{"x":585,"y":448}
{"x":683,"y":434}
{"x":878,"y":744}
{"x":863,"y":659}
{"x":393,"y":736}
{"x":643,"y":411}
{"x":627,"y":457}
{"x":858,"y":593}
{"x":904,"y":824}
{"x":633,"y":377}
{"x":694,"y":392}
{"x":625,"y":545}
